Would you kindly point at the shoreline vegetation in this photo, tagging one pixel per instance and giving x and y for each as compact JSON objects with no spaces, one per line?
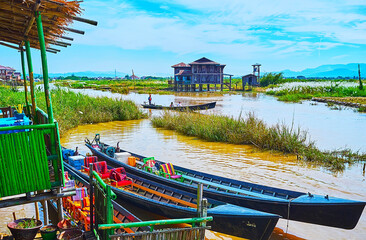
{"x":250,"y":130}
{"x":284,"y":89}
{"x":73,"y":109}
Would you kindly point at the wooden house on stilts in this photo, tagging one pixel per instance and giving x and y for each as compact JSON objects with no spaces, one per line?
{"x":200,"y":72}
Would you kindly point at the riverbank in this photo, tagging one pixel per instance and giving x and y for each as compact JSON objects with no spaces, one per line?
{"x":159,"y":86}
{"x":345,"y":92}
{"x":73,"y":109}
{"x":253,"y":131}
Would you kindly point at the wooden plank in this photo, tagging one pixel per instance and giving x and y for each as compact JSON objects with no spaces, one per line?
{"x":188,"y":204}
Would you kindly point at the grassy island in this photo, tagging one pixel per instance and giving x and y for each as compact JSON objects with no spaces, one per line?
{"x":251,"y":130}
{"x":73,"y":109}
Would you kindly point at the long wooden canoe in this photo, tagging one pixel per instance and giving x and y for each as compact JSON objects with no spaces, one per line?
{"x":182,"y":108}
{"x":173,"y":203}
{"x":299,"y":206}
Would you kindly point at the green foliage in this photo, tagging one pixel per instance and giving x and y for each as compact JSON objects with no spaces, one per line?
{"x":271,"y":78}
{"x":299,"y":93}
{"x":251,"y":130}
{"x":27,"y":223}
{"x":73,"y":109}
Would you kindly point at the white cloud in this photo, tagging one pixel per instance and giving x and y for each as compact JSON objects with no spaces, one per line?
{"x":241,"y":29}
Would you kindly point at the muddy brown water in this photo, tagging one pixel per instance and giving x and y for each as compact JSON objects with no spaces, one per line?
{"x":238,"y":162}
{"x":331,"y":129}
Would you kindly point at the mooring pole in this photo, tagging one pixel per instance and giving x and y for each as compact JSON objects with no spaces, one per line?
{"x":199,"y":199}
{"x":25,"y":80}
{"x":91,"y":193}
{"x":42,"y":46}
{"x":31,"y":80}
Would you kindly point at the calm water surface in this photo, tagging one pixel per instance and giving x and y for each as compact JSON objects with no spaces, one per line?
{"x":330,"y":129}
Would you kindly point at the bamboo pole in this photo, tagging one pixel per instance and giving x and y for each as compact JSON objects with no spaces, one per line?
{"x":25,"y":80}
{"x":42,"y":46}
{"x":31,"y":80}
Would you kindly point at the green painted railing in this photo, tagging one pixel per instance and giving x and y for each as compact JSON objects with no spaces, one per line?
{"x":154,"y":223}
{"x":30,"y":159}
{"x":23,"y":162}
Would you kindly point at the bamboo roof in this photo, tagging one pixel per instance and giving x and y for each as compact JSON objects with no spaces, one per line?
{"x":17,"y":22}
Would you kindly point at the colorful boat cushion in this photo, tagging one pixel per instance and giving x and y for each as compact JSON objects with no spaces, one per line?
{"x":119,"y":177}
{"x":101,"y":169}
{"x":88,"y":160}
{"x":81,"y":193}
{"x":168,"y":169}
{"x":70,"y":184}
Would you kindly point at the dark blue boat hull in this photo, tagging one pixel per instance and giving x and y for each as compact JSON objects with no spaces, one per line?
{"x":229,"y":219}
{"x":315,"y":209}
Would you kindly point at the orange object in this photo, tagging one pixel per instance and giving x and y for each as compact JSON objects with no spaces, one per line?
{"x":132,"y":161}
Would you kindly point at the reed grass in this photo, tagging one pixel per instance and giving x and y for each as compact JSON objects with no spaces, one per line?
{"x":253,"y":131}
{"x":73,"y":109}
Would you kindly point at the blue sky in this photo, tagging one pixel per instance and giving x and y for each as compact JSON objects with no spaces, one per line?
{"x":150,"y":36}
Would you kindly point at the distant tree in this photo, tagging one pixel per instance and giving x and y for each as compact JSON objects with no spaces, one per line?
{"x":359,"y":78}
{"x":127,"y":77}
{"x":271,"y":78}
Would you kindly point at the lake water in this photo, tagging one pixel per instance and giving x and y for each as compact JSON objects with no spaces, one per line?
{"x":244,"y":162}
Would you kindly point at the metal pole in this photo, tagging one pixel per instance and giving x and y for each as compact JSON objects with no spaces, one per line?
{"x":91,"y":190}
{"x":42,"y":46}
{"x":25,"y":80}
{"x":45,"y":212}
{"x":31,"y":80}
{"x":199,"y":199}
{"x":60,"y":211}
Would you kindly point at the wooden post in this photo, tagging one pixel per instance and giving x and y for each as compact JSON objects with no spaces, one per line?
{"x":230,"y":84}
{"x":91,"y":191}
{"x":208,"y":87}
{"x":200,"y":87}
{"x":25,"y":80}
{"x":37,"y":210}
{"x":60,"y":211}
{"x":215,"y":87}
{"x":42,"y":46}
{"x":31,"y":80}
{"x":45,"y":212}
{"x":199,"y":199}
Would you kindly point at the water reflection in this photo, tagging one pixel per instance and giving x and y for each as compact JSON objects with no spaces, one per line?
{"x":234,"y":161}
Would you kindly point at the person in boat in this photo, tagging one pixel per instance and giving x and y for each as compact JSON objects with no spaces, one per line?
{"x":179,"y":104}
{"x":149,"y":99}
{"x":171,"y":104}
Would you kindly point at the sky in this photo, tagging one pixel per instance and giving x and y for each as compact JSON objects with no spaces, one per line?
{"x":150,"y":36}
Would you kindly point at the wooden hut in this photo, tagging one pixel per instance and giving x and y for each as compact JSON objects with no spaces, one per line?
{"x":31,"y":152}
{"x":200,"y":72}
{"x":250,"y":79}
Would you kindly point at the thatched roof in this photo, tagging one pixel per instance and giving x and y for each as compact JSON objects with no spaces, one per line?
{"x":17,"y":22}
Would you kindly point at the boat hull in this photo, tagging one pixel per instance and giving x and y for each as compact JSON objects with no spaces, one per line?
{"x":308,"y":208}
{"x":182,"y":108}
{"x":227,"y":218}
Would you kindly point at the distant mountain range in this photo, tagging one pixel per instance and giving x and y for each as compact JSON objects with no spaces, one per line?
{"x":91,"y":74}
{"x":334,"y":70}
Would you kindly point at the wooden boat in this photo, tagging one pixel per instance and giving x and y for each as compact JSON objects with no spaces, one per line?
{"x":173,"y":203}
{"x":182,"y":108}
{"x":80,"y":209}
{"x":293,"y":205}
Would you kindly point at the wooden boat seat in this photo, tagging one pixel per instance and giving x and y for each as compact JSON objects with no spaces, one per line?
{"x":88,"y":160}
{"x":101,"y":169}
{"x":167,"y":170}
{"x":149,"y":164}
{"x":119,"y":177}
